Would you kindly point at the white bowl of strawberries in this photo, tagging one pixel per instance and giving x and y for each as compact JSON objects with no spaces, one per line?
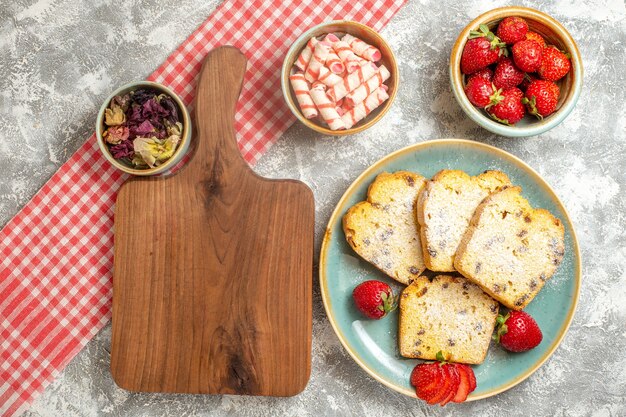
{"x":516,"y":71}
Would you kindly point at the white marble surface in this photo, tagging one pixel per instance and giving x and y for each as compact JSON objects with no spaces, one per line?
{"x":60,"y":58}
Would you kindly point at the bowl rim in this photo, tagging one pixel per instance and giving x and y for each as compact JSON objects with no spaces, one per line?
{"x":286,"y":68}
{"x":182,"y":146}
{"x":340,"y":208}
{"x":538,"y":127}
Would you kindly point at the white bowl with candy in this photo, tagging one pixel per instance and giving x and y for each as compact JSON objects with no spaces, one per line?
{"x":339,"y":78}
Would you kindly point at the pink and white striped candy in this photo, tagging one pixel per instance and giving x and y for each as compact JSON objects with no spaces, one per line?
{"x":305,"y":56}
{"x":317,"y":61}
{"x":361,"y":92}
{"x":327,"y":109}
{"x":362,"y":49}
{"x":328,"y":78}
{"x":347,"y":56}
{"x":303,"y":95}
{"x":364,"y":108}
{"x":352,"y":81}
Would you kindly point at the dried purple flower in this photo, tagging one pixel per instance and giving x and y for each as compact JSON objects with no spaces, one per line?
{"x":169,"y":104}
{"x":124,"y":149}
{"x":142,"y":95}
{"x":143,"y":129}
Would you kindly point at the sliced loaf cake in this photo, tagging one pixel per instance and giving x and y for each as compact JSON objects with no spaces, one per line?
{"x":383,"y":230}
{"x":444,"y":211}
{"x":448,"y":314}
{"x":510,"y":249}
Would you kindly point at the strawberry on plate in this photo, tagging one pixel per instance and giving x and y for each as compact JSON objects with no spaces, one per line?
{"x":527,"y":55}
{"x":481,"y":50}
{"x":512,"y":29}
{"x":507,"y":75}
{"x":517,"y":332}
{"x":442,"y":382}
{"x":374,"y":299}
{"x":554,"y":64}
{"x":541,"y":98}
{"x":510,"y":109}
{"x":482,"y":93}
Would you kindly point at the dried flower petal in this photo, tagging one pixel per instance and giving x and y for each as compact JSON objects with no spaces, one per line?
{"x":114,"y":116}
{"x":122,"y":101}
{"x":154,"y":150}
{"x":174,"y":129}
{"x":124,"y":149}
{"x":143,"y":129}
{"x":169,"y":104}
{"x":116,"y":134}
{"x":142,"y":95}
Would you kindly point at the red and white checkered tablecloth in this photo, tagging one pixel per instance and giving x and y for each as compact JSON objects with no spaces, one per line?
{"x":56,"y":254}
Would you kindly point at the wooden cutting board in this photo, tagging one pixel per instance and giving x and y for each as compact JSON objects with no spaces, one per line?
{"x":212,"y":280}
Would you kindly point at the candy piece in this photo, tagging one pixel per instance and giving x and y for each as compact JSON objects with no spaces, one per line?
{"x":327,"y":109}
{"x":364,"y":108}
{"x":331,"y":38}
{"x":318,"y":84}
{"x":328,"y":78}
{"x":361,"y":92}
{"x":362,"y":49}
{"x":317,"y":61}
{"x":346,"y":54}
{"x":305,"y":56}
{"x":334,"y":63}
{"x":303,"y":95}
{"x":352,"y":81}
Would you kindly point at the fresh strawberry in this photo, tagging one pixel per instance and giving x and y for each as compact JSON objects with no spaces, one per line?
{"x":427,"y":379}
{"x":554,"y":64}
{"x":527,"y":81}
{"x":527,"y":55}
{"x":449,"y":385}
{"x":455,"y":379}
{"x":507,"y":75}
{"x":482,"y":49}
{"x":510,"y":110}
{"x":466,"y":375}
{"x":541,"y":98}
{"x":481,"y":93}
{"x":534,"y":36}
{"x":374,"y":299}
{"x":517,"y":332}
{"x":485,"y":73}
{"x":512,"y":29}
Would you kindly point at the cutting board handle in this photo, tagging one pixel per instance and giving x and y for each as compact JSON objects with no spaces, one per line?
{"x":219,"y":86}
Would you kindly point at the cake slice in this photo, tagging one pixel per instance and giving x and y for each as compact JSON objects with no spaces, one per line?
{"x":448,"y":314}
{"x":511,"y":249}
{"x":383,"y":230}
{"x":444,"y":211}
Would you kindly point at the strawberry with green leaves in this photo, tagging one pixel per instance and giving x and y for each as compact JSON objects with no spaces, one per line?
{"x":554,"y":64}
{"x":517,"y":332}
{"x":482,"y":93}
{"x":374,"y":299}
{"x":510,"y":109}
{"x":481,"y":50}
{"x":541,"y":98}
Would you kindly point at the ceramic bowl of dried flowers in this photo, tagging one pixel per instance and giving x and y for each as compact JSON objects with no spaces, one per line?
{"x":143,"y":128}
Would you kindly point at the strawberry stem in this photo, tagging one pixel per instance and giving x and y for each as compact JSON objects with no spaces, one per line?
{"x":501,"y":327}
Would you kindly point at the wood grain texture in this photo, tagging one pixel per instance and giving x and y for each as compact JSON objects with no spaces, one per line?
{"x":212,"y":281}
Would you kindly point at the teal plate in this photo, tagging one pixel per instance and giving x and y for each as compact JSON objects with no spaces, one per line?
{"x":372,"y":344}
